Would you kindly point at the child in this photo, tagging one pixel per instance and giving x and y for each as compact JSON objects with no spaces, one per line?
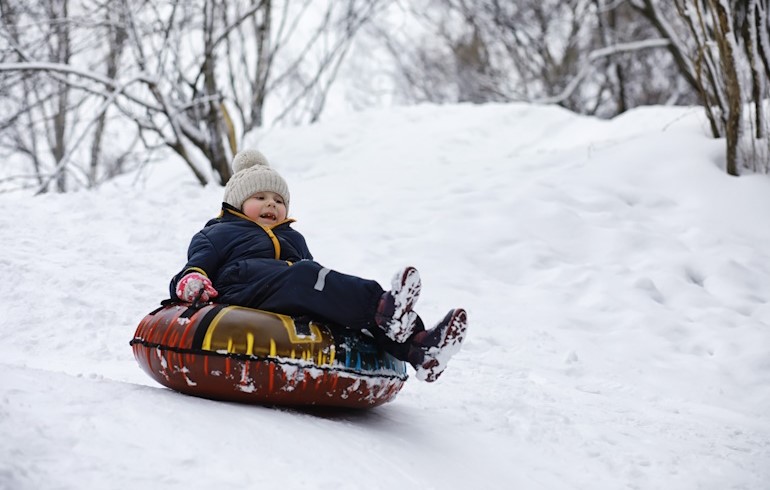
{"x":250,"y":256}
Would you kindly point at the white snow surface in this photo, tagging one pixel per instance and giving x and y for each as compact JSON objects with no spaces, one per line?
{"x":617,"y":283}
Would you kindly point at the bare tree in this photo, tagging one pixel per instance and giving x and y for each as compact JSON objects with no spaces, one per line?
{"x":631,"y":64}
{"x":721,"y":48}
{"x":116,"y":37}
{"x":601,"y":57}
{"x":48,"y":114}
{"x":590,"y":56}
{"x":191,"y":76}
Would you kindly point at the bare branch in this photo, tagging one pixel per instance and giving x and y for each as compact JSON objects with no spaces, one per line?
{"x":597,"y":55}
{"x":112,"y":85}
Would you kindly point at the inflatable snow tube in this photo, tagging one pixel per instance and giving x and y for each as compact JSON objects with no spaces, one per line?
{"x":245,"y":355}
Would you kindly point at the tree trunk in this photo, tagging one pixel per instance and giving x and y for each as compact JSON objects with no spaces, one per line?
{"x":725,"y":40}
{"x":63,"y":53}
{"x":264,"y":62}
{"x":751,"y":41}
{"x":117,"y":37}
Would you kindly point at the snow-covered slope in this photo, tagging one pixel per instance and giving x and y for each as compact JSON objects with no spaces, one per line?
{"x":617,"y":283}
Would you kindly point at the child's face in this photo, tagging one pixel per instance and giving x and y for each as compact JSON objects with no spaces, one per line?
{"x":266,"y":208}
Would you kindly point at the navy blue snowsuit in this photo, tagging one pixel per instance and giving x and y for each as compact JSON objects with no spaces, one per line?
{"x":271,"y":268}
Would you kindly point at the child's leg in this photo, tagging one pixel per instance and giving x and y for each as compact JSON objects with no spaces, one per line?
{"x":308,"y":288}
{"x":399,"y":350}
{"x":430,"y":350}
{"x":395,"y":312}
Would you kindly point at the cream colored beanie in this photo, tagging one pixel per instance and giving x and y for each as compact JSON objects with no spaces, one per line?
{"x":252,"y":174}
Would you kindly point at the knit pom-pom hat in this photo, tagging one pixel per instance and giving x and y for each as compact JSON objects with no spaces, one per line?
{"x":252,"y":174}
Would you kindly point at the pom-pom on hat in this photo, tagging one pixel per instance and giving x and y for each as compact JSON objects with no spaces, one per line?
{"x":252,"y":174}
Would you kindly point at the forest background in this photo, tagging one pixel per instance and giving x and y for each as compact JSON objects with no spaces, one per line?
{"x":93,"y":89}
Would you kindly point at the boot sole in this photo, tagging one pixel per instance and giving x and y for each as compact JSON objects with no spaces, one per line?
{"x":408,"y":285}
{"x":438,"y":357}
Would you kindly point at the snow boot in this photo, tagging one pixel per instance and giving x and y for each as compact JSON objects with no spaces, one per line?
{"x":394,"y":311}
{"x":431,"y":349}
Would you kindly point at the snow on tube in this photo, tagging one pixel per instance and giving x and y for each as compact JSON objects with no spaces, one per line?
{"x":245,"y":355}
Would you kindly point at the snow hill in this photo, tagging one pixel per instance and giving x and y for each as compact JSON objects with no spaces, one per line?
{"x":617,"y":283}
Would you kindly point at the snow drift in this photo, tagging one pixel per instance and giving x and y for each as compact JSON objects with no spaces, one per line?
{"x":617,"y":283}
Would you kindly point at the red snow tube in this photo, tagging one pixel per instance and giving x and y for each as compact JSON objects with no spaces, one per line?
{"x":245,"y":355}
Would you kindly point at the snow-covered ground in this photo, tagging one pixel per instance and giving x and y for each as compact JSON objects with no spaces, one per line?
{"x":617,"y":283}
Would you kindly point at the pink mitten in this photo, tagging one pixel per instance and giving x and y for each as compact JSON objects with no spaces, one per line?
{"x":190,"y":286}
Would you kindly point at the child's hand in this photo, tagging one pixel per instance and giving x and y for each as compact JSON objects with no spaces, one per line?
{"x":190,"y":286}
